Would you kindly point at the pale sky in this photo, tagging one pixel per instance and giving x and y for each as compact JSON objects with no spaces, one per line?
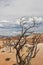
{"x":11,"y":10}
{"x":21,"y":7}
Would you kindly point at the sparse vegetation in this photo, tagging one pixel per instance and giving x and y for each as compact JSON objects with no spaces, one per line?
{"x":30,"y":49}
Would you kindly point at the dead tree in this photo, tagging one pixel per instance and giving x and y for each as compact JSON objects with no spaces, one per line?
{"x":21,"y":43}
{"x":7,"y":44}
{"x":36,"y":40}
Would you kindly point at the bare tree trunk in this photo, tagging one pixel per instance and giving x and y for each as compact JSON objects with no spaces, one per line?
{"x":35,"y":50}
{"x":10,"y":49}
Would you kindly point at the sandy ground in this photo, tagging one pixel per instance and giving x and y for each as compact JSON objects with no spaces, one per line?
{"x":3,"y":56}
{"x":38,"y":60}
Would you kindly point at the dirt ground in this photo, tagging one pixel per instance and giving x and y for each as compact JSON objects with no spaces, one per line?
{"x":38,"y":60}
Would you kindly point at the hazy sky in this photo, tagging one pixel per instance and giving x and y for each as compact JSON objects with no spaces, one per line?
{"x":10,"y":10}
{"x":21,"y":7}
